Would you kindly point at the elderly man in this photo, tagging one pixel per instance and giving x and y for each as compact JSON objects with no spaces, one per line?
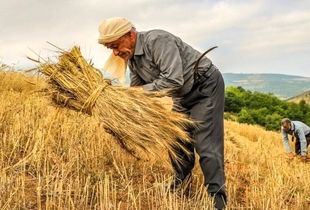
{"x":159,"y":60}
{"x":301,"y":132}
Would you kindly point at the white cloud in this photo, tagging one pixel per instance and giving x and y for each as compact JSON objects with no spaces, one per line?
{"x":248,"y":32}
{"x":288,"y":32}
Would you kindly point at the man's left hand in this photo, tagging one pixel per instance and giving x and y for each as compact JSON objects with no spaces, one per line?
{"x":303,"y":158}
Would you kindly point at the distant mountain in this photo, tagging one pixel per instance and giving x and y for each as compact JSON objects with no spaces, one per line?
{"x":281,"y":85}
{"x":304,"y":96}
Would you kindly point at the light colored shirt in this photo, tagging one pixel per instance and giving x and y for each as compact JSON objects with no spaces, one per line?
{"x":163,"y":61}
{"x":300,"y":130}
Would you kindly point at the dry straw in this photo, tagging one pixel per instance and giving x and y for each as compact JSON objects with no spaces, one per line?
{"x":136,"y":119}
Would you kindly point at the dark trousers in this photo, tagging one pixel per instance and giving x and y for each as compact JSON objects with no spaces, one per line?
{"x":205,"y":104}
{"x":297,"y":144}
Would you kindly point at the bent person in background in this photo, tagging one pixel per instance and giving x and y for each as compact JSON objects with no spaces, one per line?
{"x":159,"y":60}
{"x":301,"y":132}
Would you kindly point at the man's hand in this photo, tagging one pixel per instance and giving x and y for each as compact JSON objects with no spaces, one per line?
{"x":153,"y":94}
{"x":303,"y":158}
{"x":291,"y":155}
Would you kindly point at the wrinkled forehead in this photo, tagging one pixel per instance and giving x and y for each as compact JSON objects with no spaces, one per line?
{"x":109,"y":44}
{"x":112,"y":45}
{"x":115,"y":43}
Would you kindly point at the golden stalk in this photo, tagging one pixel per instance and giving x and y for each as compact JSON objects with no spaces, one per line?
{"x":135,"y":118}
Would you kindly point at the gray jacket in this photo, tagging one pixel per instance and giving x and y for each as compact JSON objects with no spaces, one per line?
{"x":300,"y":130}
{"x":163,"y":61}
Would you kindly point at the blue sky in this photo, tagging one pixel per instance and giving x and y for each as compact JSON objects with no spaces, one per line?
{"x":254,"y":36}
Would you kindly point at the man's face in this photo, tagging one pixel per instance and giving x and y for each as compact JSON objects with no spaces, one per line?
{"x":286,"y":127}
{"x":123,"y":47}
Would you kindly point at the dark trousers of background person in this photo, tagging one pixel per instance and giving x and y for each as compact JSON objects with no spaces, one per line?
{"x":297,"y":144}
{"x":205,"y":104}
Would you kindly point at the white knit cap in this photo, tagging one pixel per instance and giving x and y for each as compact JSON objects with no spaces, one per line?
{"x":113,"y":28}
{"x":110,"y":30}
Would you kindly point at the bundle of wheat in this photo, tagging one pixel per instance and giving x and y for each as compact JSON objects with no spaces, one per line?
{"x":135,"y":118}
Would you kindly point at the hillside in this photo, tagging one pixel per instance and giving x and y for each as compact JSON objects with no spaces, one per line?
{"x":304,"y":96}
{"x":54,"y":158}
{"x":262,"y":108}
{"x":283,"y":86}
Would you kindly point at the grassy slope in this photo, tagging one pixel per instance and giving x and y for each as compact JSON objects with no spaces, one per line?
{"x":281,"y":85}
{"x":53,"y":158}
{"x":304,"y":96}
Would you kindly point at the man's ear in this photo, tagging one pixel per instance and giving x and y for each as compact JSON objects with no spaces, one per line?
{"x":132,"y":34}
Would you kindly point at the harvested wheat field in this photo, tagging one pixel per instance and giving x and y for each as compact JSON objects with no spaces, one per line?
{"x":136,"y":119}
{"x":53,"y":157}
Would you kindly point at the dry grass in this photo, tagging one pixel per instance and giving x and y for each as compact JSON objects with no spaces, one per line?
{"x":259,"y":175}
{"x":54,"y":158}
{"x":304,"y":96}
{"x":137,"y":121}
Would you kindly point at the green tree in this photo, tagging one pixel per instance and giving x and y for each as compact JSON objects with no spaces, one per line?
{"x":263,"y":109}
{"x":273,"y":121}
{"x":244,"y":116}
{"x":233,"y":103}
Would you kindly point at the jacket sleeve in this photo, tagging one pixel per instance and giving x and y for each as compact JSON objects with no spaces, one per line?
{"x":285,"y":141}
{"x":167,"y":57}
{"x":135,"y":79}
{"x":303,"y":141}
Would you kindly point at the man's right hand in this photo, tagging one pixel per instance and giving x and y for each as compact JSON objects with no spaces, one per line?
{"x":291,"y":155}
{"x":304,"y":158}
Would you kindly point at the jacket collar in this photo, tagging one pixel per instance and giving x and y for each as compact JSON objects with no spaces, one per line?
{"x":139,"y":44}
{"x":292,"y":126}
